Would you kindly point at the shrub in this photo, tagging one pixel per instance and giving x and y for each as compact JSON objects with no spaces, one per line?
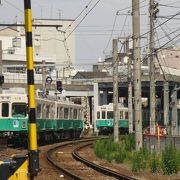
{"x":136,"y":162}
{"x":120,"y":155}
{"x":129,"y":142}
{"x":154,"y":163}
{"x":140,"y":160}
{"x":169,"y":161}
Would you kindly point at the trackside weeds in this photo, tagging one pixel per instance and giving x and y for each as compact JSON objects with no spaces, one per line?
{"x":167,"y":162}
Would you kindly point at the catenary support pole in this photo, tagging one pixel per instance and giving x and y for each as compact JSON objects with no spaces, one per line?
{"x":115,"y":89}
{"x":33,"y":150}
{"x":137,"y":73}
{"x":44,"y":77}
{"x":174,"y":111}
{"x":152,"y":70}
{"x":1,"y":65}
{"x":130,"y":108}
{"x":166,"y":104}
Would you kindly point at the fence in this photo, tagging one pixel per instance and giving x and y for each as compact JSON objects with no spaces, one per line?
{"x":152,"y":143}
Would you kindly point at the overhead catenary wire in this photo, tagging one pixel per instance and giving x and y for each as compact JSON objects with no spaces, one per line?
{"x":111,"y":32}
{"x":78,"y":15}
{"x":166,"y":34}
{"x":14,"y":6}
{"x":82,"y":19}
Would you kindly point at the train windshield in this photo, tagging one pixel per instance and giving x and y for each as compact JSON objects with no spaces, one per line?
{"x":19,"y":109}
{"x":110,"y":115}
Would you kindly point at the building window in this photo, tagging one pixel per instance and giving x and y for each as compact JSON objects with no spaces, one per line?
{"x":16,"y":42}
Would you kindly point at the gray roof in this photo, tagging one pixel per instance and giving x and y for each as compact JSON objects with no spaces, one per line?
{"x":90,"y":75}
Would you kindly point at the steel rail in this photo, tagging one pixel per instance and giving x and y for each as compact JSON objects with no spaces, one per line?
{"x":99,"y":168}
{"x":59,"y":167}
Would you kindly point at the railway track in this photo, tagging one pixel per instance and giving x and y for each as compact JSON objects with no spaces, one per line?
{"x":80,"y":168}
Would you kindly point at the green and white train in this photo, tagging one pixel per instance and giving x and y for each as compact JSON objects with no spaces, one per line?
{"x":56,"y":119}
{"x":105,"y":116}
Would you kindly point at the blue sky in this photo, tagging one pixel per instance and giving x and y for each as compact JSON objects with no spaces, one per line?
{"x":94,"y":32}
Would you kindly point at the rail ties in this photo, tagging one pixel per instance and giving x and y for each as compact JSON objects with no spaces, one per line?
{"x":98,"y":167}
{"x":62,"y":169}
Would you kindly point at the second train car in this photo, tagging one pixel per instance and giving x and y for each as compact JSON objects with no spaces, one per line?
{"x":105,"y":116}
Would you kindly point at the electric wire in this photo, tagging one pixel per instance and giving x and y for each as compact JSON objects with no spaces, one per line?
{"x":166,"y":34}
{"x":82,"y":19}
{"x":111,"y":33}
{"x":159,"y":60}
{"x":79,"y":15}
{"x":11,"y":4}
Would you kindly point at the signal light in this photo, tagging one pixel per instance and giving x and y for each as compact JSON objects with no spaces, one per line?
{"x":59,"y":86}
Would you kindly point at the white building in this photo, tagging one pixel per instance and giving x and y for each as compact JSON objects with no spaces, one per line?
{"x":48,"y":43}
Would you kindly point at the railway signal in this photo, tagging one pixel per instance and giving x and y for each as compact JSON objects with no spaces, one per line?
{"x":59,"y":86}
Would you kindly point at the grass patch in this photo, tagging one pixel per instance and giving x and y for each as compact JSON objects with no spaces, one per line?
{"x":167,"y":162}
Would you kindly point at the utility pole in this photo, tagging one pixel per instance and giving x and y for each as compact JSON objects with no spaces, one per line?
{"x":115,"y":89}
{"x":152,"y":69}
{"x":174,"y":110}
{"x":1,"y":68}
{"x":130,"y":109}
{"x":44,"y":77}
{"x":137,"y":73}
{"x":166,"y":104}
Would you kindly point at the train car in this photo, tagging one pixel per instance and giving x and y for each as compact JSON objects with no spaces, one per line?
{"x":13,"y":116}
{"x":56,"y":118}
{"x":104,"y":119}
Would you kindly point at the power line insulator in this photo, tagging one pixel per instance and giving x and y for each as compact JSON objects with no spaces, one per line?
{"x":155,"y":10}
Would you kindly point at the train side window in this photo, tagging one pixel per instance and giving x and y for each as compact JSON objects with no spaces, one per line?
{"x":75,"y":114}
{"x":71,"y":113}
{"x":103,"y":114}
{"x":79,"y":114}
{"x":98,"y":115}
{"x":51,"y":112}
{"x":5,"y":109}
{"x":38,"y":110}
{"x":61,"y":113}
{"x":57,"y":116}
{"x":110,"y":115}
{"x":66,"y":113}
{"x":121,"y":115}
{"x":47,"y":111}
{"x":126,"y":115}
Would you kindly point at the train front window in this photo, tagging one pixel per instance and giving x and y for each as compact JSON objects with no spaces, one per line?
{"x":5,"y":109}
{"x":110,"y":115}
{"x":19,"y":109}
{"x":103,"y":114}
{"x":126,"y":115}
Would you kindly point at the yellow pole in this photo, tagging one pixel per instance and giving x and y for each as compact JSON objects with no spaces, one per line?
{"x":158,"y":134}
{"x":33,"y":151}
